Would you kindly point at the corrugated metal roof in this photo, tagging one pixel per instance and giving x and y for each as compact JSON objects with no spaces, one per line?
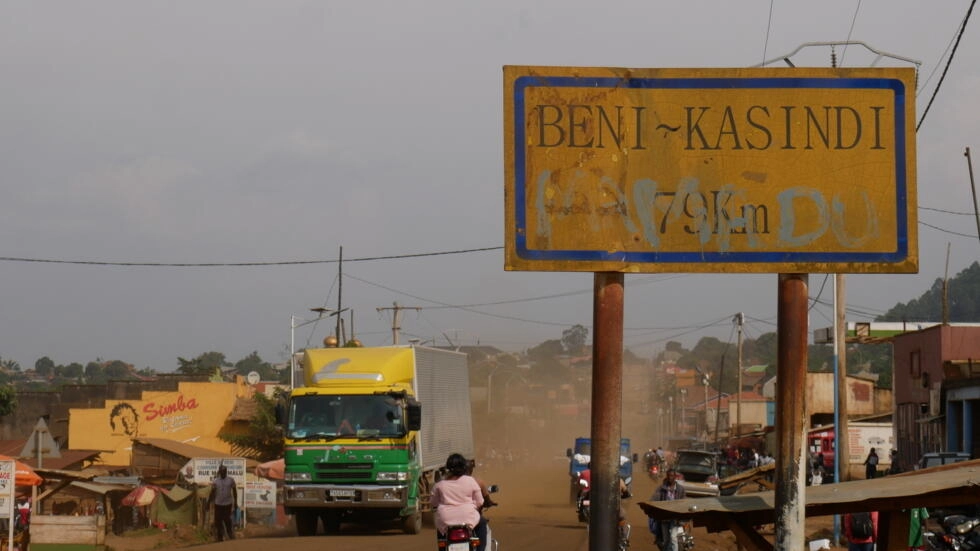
{"x":951,"y":485}
{"x":101,"y":488}
{"x":188,"y":451}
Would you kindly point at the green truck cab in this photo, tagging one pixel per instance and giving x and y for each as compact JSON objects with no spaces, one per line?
{"x":357,"y":445}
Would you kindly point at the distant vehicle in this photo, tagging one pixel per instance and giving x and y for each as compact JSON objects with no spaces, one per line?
{"x":580,"y":456}
{"x":697,"y":472}
{"x":935,"y":459}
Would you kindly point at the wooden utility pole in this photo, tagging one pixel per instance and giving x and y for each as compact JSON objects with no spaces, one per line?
{"x":340,"y":292}
{"x":739,"y":320}
{"x":840,"y":345}
{"x":973,"y":187}
{"x":791,"y":414}
{"x":396,"y":318}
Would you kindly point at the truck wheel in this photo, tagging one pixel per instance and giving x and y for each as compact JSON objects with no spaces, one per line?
{"x":572,"y":494}
{"x":412,"y":524}
{"x":331,"y":522}
{"x":306,"y":523}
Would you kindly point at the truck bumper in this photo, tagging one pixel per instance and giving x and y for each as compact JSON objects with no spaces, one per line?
{"x":346,"y":496}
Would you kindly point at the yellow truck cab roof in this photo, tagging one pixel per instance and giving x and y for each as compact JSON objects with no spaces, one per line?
{"x":350,"y":367}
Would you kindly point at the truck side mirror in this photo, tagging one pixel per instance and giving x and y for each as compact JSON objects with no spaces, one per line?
{"x":635,"y":458}
{"x":413,"y":415}
{"x":568,"y":452}
{"x":280,"y":414}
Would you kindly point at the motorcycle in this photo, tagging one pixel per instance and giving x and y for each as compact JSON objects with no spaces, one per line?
{"x":461,"y":537}
{"x":960,"y":533}
{"x":582,"y":503}
{"x":680,"y":531}
{"x":583,"y":509}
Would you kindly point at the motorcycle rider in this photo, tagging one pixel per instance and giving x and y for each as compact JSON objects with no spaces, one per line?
{"x":665,"y":531}
{"x":457,"y":499}
{"x":586,"y":475}
{"x":484,"y":489}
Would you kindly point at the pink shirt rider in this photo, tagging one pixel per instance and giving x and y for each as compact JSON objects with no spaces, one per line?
{"x":458,"y":501}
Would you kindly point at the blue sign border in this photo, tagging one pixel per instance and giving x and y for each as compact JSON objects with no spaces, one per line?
{"x":520,"y":146}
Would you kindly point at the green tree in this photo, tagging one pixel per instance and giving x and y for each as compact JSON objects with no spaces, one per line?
{"x":546,"y":351}
{"x":44,"y":366}
{"x":253,"y":362}
{"x":963,"y":298}
{"x":263,"y":440}
{"x":118,"y":370}
{"x":573,"y":339}
{"x":9,"y":365}
{"x":205,"y":364}
{"x":73,"y":370}
{"x":94,"y":372}
{"x":8,"y":400}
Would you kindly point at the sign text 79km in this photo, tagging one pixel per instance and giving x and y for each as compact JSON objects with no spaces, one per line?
{"x":710,"y":170}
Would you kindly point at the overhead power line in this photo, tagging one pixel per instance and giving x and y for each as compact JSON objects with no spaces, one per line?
{"x":220,"y":264}
{"x":949,"y":61}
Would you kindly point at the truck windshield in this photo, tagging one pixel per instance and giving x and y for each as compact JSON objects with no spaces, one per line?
{"x":362,"y":416}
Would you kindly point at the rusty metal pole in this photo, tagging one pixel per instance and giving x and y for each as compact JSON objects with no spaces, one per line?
{"x":607,"y":408}
{"x":790,"y":498}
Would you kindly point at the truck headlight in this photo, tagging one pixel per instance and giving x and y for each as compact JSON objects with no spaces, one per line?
{"x":298,"y":477}
{"x":393,"y":477}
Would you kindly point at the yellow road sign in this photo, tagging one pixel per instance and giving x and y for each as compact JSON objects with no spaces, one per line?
{"x":710,"y":170}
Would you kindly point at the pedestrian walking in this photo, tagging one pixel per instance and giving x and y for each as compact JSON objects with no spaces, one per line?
{"x":224,"y":496}
{"x":871,"y":464}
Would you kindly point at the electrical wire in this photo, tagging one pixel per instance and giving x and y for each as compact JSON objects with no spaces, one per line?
{"x":224,"y":264}
{"x":765,"y":45}
{"x":850,"y":32}
{"x":819,"y":293}
{"x":949,"y":62}
{"x":950,"y":232}
{"x":948,"y":211}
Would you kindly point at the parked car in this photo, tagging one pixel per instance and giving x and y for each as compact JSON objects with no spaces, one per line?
{"x":697,"y":472}
{"x":935,"y":459}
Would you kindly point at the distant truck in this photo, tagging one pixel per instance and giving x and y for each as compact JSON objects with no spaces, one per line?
{"x":862,"y":436}
{"x":357,"y":445}
{"x":580,"y":456}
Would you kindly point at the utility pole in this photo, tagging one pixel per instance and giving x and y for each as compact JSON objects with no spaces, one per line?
{"x":397,"y":317}
{"x":340,"y":292}
{"x":739,"y":320}
{"x":973,"y":187}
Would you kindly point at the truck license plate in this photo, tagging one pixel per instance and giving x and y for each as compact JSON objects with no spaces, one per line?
{"x":341,"y":493}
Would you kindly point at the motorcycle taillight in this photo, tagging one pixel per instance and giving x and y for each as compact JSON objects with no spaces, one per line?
{"x":457,"y":534}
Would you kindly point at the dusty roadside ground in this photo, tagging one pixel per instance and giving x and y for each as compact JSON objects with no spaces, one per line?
{"x":181,"y":536}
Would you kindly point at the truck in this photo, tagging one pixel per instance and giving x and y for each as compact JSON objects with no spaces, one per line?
{"x":580,"y":456}
{"x":358,"y":447}
{"x":862,"y":436}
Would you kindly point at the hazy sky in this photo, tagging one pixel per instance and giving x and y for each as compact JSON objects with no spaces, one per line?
{"x":245,"y":132}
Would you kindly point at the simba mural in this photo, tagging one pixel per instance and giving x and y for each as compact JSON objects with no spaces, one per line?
{"x":195,"y":413}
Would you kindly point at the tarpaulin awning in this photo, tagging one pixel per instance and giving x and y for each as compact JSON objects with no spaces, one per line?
{"x":142,"y":495}
{"x":25,"y":475}
{"x":273,"y":470}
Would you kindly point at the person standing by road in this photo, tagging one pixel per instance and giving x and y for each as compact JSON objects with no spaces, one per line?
{"x":871,"y":464}
{"x":224,"y":496}
{"x":895,"y":466}
{"x":917,"y":525}
{"x":861,"y":531}
{"x":665,"y":531}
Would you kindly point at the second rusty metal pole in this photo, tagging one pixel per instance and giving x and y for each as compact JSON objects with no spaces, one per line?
{"x":607,"y":408}
{"x":790,"y":498}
